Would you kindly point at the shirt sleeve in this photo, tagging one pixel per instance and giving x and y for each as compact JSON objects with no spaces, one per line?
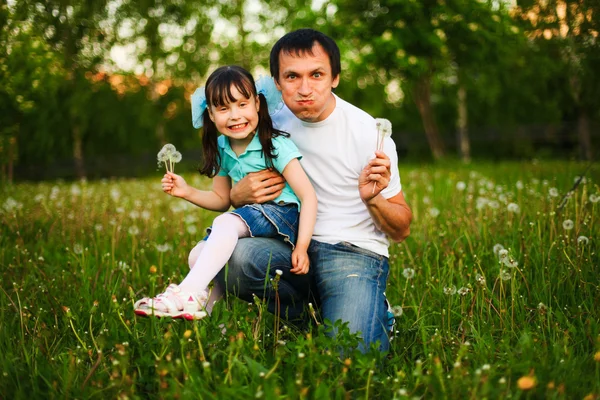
{"x":222,"y":170}
{"x":395,"y":186}
{"x":286,"y":151}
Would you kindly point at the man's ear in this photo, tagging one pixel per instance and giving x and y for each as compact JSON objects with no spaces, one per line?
{"x":277,"y":84}
{"x":336,"y":81}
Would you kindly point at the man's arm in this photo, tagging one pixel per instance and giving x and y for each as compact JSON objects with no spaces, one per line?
{"x":257,"y":187}
{"x":392,"y":216}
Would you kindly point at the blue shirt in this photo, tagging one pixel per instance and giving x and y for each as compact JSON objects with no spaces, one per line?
{"x":252,"y":160}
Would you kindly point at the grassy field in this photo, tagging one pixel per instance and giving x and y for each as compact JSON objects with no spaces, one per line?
{"x":497,"y":291}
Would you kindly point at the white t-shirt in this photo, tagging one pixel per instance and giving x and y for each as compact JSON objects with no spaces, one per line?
{"x":334,"y":153}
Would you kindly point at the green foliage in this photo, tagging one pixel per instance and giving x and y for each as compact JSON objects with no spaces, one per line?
{"x":76,"y":256}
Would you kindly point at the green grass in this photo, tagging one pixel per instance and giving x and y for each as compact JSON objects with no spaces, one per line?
{"x":75,"y":256}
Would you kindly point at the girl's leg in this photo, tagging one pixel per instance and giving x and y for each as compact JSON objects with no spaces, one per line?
{"x":216,"y":293}
{"x":226,"y":230}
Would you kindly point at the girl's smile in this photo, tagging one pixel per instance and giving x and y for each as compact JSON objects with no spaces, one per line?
{"x":237,"y":120}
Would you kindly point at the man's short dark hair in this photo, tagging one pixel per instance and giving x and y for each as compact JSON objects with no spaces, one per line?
{"x":301,"y":42}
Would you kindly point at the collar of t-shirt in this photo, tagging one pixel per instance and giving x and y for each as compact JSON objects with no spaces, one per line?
{"x":254,"y":145}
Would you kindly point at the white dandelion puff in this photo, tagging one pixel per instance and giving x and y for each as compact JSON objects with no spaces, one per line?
{"x":434,"y":212}
{"x":583,"y":240}
{"x":191,"y":229}
{"x":133,"y":230}
{"x":568,"y":224}
{"x":77,"y":248}
{"x":450,"y":290}
{"x":513,"y":208}
{"x":553,"y":192}
{"x":505,"y":275}
{"x":480,"y":279}
{"x":497,"y":248}
{"x":408,"y":273}
{"x":279,"y":272}
{"x":510,"y":262}
{"x":594,"y":198}
{"x":502,"y":254}
{"x":397,"y":311}
{"x":460,"y":186}
{"x":463,"y":291}
{"x":163,"y":248}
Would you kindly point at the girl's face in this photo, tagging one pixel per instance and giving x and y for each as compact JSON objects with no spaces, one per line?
{"x":238,"y":119}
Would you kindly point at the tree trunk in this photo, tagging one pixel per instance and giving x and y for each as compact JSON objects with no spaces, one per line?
{"x":583,"y":132}
{"x":464,"y":144}
{"x":423,"y":100}
{"x":78,"y":152}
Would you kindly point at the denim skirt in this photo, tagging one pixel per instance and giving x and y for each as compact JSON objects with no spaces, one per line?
{"x":271,"y":220}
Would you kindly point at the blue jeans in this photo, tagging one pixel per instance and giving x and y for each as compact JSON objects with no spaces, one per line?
{"x":350,"y":283}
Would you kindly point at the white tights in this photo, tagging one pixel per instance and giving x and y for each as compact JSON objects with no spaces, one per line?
{"x":214,"y":253}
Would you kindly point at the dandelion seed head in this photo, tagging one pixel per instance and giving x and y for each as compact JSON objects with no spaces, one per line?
{"x":450,"y":290}
{"x":408,"y":273}
{"x":133,"y":230}
{"x":568,"y":224}
{"x":583,"y":240}
{"x":397,"y":311}
{"x":519,"y":185}
{"x":77,"y":248}
{"x":513,"y":208}
{"x":553,"y":192}
{"x":505,"y":275}
{"x":502,"y":254}
{"x":594,"y":198}
{"x":460,"y":186}
{"x":176,"y":157}
{"x":510,"y":262}
{"x":497,"y":248}
{"x":463,"y":291}
{"x":480,"y":279}
{"x":434,"y":212}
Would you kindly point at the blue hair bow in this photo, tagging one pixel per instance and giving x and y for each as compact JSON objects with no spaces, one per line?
{"x":265,"y":86}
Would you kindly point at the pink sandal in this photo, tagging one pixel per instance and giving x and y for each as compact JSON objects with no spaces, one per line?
{"x":178,"y":304}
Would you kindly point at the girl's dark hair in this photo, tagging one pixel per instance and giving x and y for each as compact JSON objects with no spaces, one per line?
{"x":218,"y":93}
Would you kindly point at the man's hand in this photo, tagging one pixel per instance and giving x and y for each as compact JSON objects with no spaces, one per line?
{"x":257,"y":187}
{"x":300,"y":262}
{"x":374,"y":177}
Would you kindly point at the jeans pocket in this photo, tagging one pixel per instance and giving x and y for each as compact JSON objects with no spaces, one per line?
{"x":356,"y":249}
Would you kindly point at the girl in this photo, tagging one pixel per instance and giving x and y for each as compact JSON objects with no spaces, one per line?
{"x":231,"y":105}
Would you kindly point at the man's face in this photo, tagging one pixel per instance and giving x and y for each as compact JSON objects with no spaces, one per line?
{"x":305,"y":82}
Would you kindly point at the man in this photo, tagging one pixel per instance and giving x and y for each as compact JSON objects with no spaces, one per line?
{"x":359,"y":194}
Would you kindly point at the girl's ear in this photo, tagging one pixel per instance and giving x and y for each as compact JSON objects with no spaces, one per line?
{"x":210,"y":114}
{"x":257,"y":97}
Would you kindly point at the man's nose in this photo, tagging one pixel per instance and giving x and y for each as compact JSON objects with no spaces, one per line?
{"x":305,"y":87}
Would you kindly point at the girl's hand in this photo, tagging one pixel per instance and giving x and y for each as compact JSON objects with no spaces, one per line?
{"x":300,"y":262}
{"x":174,"y":185}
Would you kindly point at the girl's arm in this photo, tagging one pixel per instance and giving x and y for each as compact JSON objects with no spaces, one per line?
{"x":216,"y":199}
{"x":300,"y":184}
